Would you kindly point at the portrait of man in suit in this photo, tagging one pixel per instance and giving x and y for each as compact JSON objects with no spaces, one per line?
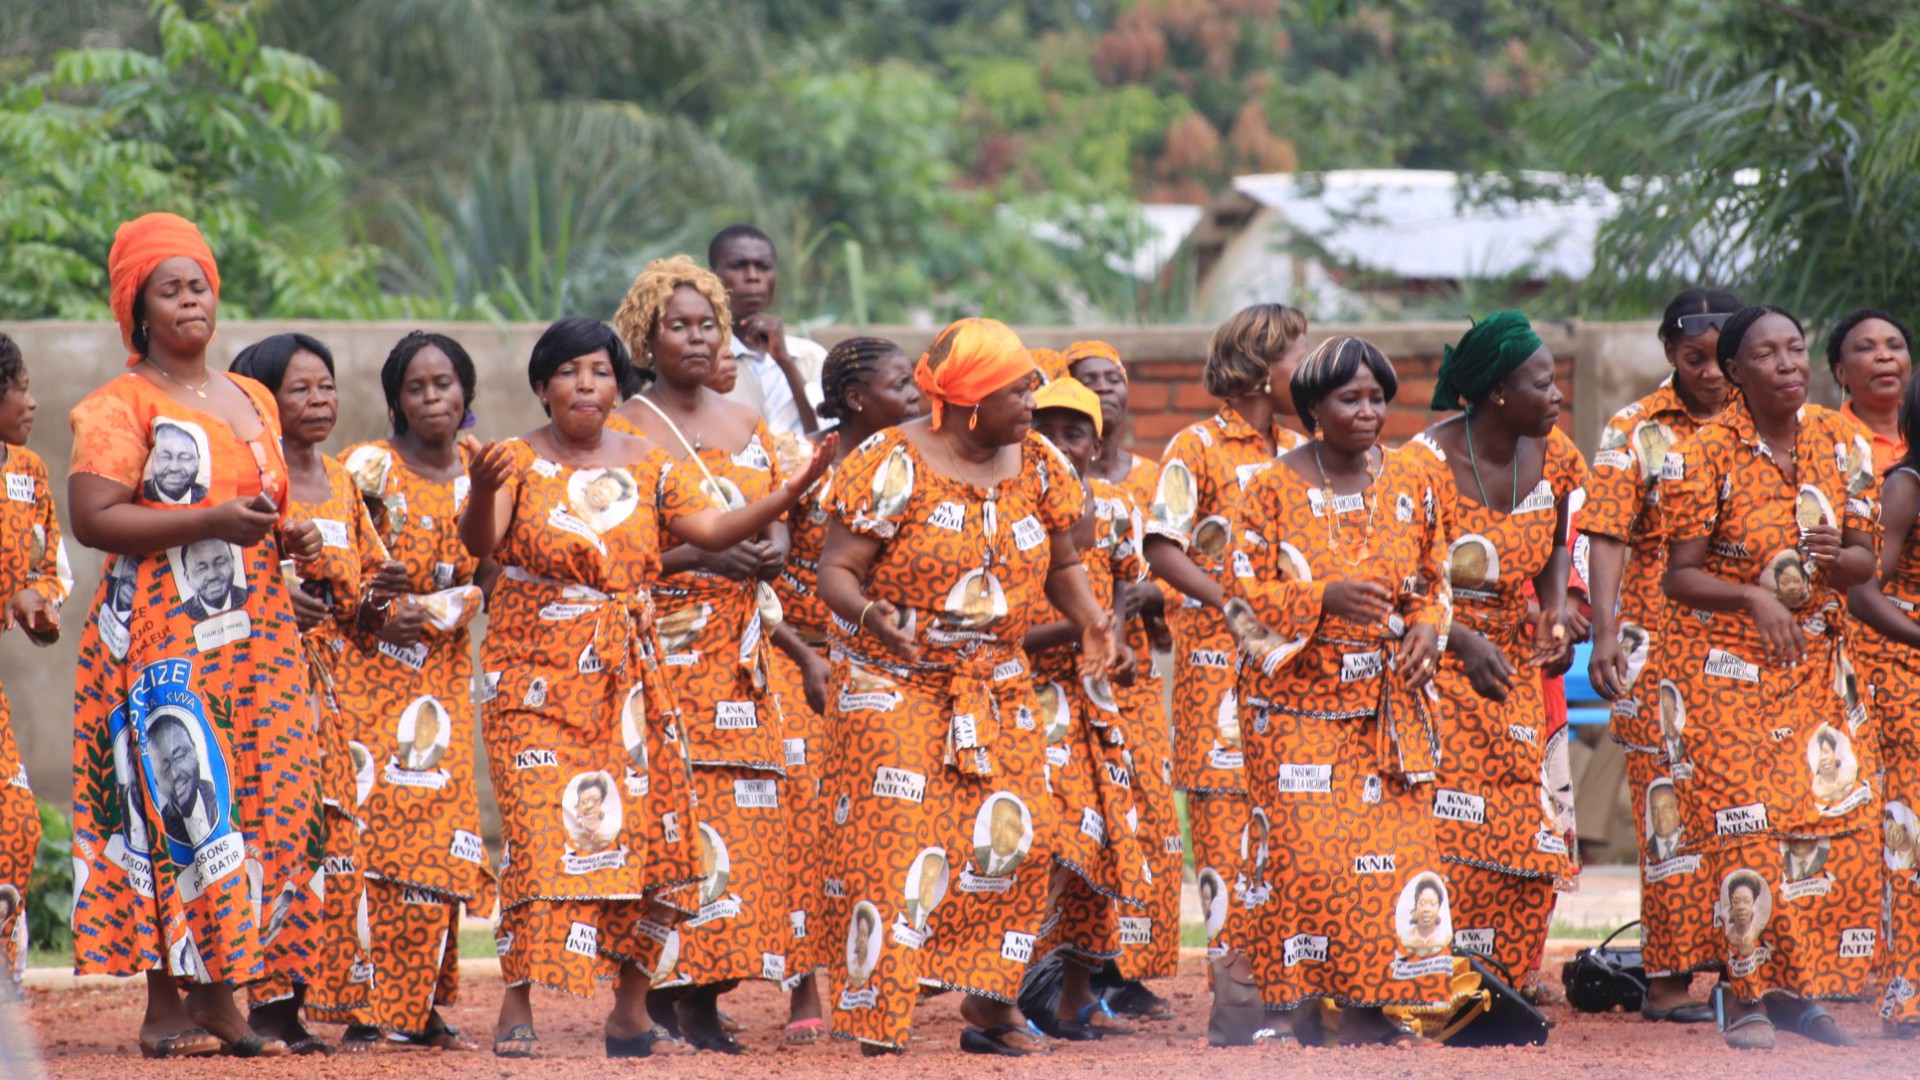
{"x":174,"y":476}
{"x":208,"y":568}
{"x":1002,"y":833}
{"x":189,"y":811}
{"x":422,"y":753}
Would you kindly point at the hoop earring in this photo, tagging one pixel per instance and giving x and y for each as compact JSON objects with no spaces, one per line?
{"x":974,"y":420}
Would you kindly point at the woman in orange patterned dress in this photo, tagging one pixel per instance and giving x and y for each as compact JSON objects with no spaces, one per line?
{"x":1203,"y":476}
{"x":1890,"y":666}
{"x":1869,"y":353}
{"x":1189,"y":525}
{"x":1102,"y":874}
{"x":34,"y":581}
{"x":1636,"y":637}
{"x":1509,"y":472}
{"x":407,"y":694}
{"x":943,"y":531}
{"x":1769,"y":516}
{"x":714,"y":630}
{"x":584,"y":736}
{"x":196,"y":774}
{"x":1152,"y":951}
{"x":341,"y":594}
{"x":867,"y":386}
{"x":1340,"y":603}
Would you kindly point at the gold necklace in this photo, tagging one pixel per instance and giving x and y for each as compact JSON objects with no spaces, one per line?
{"x":1335,"y":546}
{"x":200,"y":391}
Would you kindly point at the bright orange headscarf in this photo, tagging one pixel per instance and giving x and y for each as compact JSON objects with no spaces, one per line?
{"x":139,"y":247}
{"x":1051,"y":363}
{"x":969,"y":360}
{"x":1095,"y":350}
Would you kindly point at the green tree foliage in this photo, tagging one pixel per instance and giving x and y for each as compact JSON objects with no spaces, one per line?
{"x":214,"y":123}
{"x":1770,"y":147}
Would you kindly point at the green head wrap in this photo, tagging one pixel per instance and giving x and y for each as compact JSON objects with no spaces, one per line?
{"x":1487,"y":353}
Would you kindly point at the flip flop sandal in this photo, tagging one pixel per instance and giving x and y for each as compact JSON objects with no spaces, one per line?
{"x":440,"y":1035}
{"x":1829,"y":1034}
{"x":309,"y":1044}
{"x":1100,"y":1007}
{"x":169,"y":1046}
{"x":361,"y":1039}
{"x":874,"y":1050}
{"x":994,"y":1040}
{"x":1055,"y":1028}
{"x":806,"y":1032}
{"x":1751,"y":1032}
{"x":654,"y":1042}
{"x":518,"y":1042}
{"x":253,"y":1046}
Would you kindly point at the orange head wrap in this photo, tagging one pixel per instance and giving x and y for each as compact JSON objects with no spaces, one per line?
{"x":1051,"y":363}
{"x":969,"y":360}
{"x":1067,"y":392}
{"x":139,"y":247}
{"x":1095,"y":350}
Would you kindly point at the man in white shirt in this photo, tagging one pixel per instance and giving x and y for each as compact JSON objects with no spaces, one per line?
{"x":779,"y":375}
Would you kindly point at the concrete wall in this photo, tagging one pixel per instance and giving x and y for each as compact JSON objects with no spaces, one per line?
{"x":1603,"y":366}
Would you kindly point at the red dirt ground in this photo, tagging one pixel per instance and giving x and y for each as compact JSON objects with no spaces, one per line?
{"x":90,"y":1033}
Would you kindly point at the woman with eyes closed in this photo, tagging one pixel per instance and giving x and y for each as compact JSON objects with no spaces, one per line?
{"x":1636,"y":632}
{"x":581,"y":728}
{"x":1765,"y":680}
{"x":945,"y":530}
{"x":714,"y":628}
{"x":867,"y":386}
{"x":1508,"y":472}
{"x":407,"y":693}
{"x":196,"y":773}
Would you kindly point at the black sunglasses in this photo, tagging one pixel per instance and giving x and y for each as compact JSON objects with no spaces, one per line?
{"x":1695,"y":325}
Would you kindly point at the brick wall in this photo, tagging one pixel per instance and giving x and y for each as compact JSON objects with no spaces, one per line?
{"x":1166,"y":395}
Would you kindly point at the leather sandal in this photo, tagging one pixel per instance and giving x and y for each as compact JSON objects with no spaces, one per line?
{"x":1751,"y":1032}
{"x":1829,"y":1034}
{"x":518,"y":1042}
{"x":361,"y":1039}
{"x":1134,"y":999}
{"x":192,"y":1042}
{"x":253,"y":1046}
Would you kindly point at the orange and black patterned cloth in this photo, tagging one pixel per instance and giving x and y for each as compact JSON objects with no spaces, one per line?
{"x":804,"y":735}
{"x":1151,"y":951}
{"x":1891,"y":672}
{"x":1341,"y":757}
{"x":1203,"y":477}
{"x":1777,"y":768}
{"x":409,"y":716}
{"x":1504,"y":827}
{"x":197,"y":797}
{"x":583,"y":731}
{"x":1676,"y":898}
{"x":942,"y":824}
{"x":351,"y":554}
{"x":1090,"y":762}
{"x":32,"y":556}
{"x":715,"y":649}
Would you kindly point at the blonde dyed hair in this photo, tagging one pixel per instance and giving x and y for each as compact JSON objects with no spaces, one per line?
{"x":646,"y":301}
{"x":1246,"y":343}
